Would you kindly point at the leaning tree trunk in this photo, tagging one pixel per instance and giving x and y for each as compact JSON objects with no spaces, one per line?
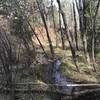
{"x":73,"y":50}
{"x":54,"y":24}
{"x":46,"y":28}
{"x":32,"y":29}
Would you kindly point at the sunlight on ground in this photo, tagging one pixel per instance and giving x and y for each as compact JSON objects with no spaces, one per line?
{"x":68,"y":68}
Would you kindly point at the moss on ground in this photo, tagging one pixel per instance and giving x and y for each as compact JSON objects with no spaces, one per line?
{"x":68,"y":68}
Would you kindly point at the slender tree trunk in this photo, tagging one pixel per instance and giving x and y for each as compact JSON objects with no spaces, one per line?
{"x":17,"y":4}
{"x":83,"y":27}
{"x":93,"y":52}
{"x":61,"y":32}
{"x":54,"y":24}
{"x":46,"y":28}
{"x":75,"y":28}
{"x":62,"y":39}
{"x":84,"y":39}
{"x":93,"y":35}
{"x":68,"y":36}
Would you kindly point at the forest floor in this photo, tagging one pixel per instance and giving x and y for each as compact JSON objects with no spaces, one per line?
{"x":68,"y":69}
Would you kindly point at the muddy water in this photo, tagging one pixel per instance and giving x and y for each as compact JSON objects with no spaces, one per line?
{"x":49,"y":96}
{"x":89,"y":96}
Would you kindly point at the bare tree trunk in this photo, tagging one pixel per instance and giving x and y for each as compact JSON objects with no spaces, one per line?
{"x":46,"y":28}
{"x":17,"y":4}
{"x":62,"y":39}
{"x":61,"y":32}
{"x":54,"y":24}
{"x":75,"y":28}
{"x":93,"y":55}
{"x":83,"y":26}
{"x":68,"y":36}
{"x":93,"y":35}
{"x":84,"y":38}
